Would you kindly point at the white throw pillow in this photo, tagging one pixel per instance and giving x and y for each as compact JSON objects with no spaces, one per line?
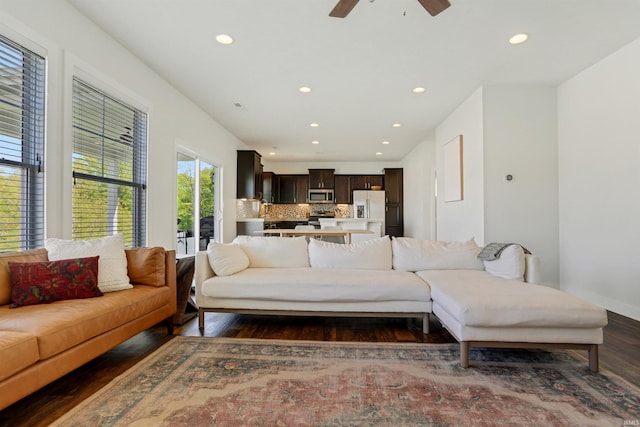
{"x":510,"y":265}
{"x":274,"y":252}
{"x":373,"y":254}
{"x":226,"y":259}
{"x":112,"y":264}
{"x":411,"y":254}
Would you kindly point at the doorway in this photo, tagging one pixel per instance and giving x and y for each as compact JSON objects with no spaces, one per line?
{"x":198,"y":215}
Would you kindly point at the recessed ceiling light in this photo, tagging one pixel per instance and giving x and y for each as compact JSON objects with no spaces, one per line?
{"x":518,"y":38}
{"x":224,"y":39}
{"x":378,"y":154}
{"x":418,"y":90}
{"x":314,"y":125}
{"x":385,"y":142}
{"x":396,"y":125}
{"x":315,"y":142}
{"x":272,"y":153}
{"x":305,"y":89}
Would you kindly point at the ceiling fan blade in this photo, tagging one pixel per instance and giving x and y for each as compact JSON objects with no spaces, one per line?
{"x":343,"y":8}
{"x":434,"y":7}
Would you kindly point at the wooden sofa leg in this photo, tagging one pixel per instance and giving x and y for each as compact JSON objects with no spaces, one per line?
{"x":425,"y":323}
{"x":594,"y":362}
{"x":201,"y":319}
{"x":464,"y":354}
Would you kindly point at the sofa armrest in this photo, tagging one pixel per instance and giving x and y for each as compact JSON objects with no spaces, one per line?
{"x":532,"y":273}
{"x":203,"y":270}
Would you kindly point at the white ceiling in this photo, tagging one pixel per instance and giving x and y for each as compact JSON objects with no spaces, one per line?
{"x":361,"y":68}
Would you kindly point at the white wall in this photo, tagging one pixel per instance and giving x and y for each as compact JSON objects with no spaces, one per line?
{"x":520,"y":139}
{"x":462,"y":220}
{"x":70,"y":41}
{"x":419,"y":190}
{"x":599,"y":173}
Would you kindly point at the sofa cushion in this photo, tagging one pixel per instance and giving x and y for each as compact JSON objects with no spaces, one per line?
{"x":226,"y":259}
{"x":476,"y":298}
{"x":510,"y":264}
{"x":274,"y":252}
{"x":112,"y":266}
{"x":64,"y":324}
{"x":411,"y":254}
{"x":5,"y":278}
{"x":17,"y":351}
{"x":373,"y":254}
{"x":318,"y":285}
{"x":145,"y":266}
{"x":48,"y":281}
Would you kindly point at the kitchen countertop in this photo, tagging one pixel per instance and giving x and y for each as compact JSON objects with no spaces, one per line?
{"x":351,"y":220}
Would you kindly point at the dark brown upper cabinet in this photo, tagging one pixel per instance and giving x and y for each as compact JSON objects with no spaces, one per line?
{"x":321,"y":178}
{"x":366,"y":182}
{"x":249,"y":175}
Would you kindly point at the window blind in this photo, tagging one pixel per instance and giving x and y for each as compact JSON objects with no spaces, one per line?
{"x":109,"y":166}
{"x":22,"y":101}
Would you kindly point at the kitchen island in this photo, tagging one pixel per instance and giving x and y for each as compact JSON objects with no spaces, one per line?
{"x":374,"y":226}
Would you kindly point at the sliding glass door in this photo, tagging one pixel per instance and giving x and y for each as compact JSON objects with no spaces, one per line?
{"x":196,"y":206}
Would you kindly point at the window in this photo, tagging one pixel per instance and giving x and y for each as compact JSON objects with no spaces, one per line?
{"x":22,"y":82}
{"x":109,"y":167}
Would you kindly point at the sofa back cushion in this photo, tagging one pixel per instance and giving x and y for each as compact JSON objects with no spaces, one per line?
{"x":146,"y":266}
{"x":274,"y":252}
{"x":226,"y":259}
{"x":411,"y":254}
{"x":373,"y":254}
{"x":35,"y":255}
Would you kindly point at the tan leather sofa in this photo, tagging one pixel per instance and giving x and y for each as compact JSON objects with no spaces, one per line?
{"x":41,"y":343}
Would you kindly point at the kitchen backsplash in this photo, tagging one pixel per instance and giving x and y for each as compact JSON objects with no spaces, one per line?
{"x":251,"y":209}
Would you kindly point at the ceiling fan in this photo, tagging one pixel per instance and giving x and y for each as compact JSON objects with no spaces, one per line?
{"x":434,"y":7}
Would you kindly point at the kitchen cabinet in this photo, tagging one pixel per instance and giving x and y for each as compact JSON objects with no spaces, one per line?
{"x":342,"y":189}
{"x":366,"y":182}
{"x":249,"y":175}
{"x":321,"y":178}
{"x":293,"y":188}
{"x":394,"y":206}
{"x":269,"y":190}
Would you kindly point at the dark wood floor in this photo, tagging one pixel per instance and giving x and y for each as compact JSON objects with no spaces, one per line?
{"x":620,"y":353}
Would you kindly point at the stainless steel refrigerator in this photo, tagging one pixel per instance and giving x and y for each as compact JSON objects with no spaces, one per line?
{"x":369,"y":206}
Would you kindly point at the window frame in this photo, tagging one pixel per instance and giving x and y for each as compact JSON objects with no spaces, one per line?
{"x":138,"y":183}
{"x":32,"y":147}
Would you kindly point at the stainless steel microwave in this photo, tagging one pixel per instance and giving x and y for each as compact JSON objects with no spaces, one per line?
{"x":320,"y":196}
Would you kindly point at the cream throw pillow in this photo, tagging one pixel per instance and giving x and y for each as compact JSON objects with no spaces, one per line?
{"x":226,"y":259}
{"x":510,"y":264}
{"x":112,"y":265}
{"x":373,"y":254}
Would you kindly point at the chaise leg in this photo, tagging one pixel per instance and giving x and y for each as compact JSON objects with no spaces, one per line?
{"x":594,"y":362}
{"x":425,"y":323}
{"x":464,"y":354}
{"x":201,"y":319}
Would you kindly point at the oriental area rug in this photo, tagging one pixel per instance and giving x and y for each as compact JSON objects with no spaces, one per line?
{"x":200,"y":381}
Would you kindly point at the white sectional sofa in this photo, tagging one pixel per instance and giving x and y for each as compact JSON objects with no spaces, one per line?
{"x":483,"y":304}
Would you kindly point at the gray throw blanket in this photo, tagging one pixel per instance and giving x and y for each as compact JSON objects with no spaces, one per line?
{"x":493,"y":250}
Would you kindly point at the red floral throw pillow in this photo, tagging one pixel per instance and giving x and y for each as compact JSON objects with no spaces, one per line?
{"x":45,"y":282}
